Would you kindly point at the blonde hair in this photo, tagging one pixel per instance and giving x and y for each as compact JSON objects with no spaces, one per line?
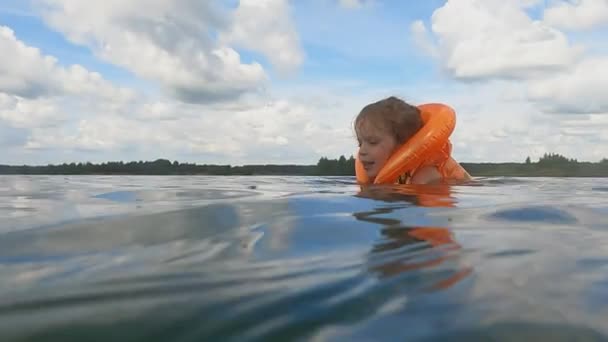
{"x":393,"y":115}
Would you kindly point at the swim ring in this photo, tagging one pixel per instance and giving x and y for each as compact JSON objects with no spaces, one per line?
{"x":429,"y":146}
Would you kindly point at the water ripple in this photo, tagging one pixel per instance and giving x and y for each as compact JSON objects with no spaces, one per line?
{"x":301,"y":258}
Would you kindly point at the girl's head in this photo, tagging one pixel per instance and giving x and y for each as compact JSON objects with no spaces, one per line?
{"x":381,"y":127}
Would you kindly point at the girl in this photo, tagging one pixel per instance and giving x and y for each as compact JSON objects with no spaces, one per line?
{"x":384,"y":126}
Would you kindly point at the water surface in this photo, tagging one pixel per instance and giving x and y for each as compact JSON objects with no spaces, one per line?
{"x":143,"y":258}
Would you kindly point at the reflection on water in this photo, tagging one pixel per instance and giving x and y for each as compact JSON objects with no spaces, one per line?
{"x":281,"y":258}
{"x":433,"y":245}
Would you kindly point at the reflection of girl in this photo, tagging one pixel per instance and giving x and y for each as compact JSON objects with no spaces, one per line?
{"x":436,"y":239}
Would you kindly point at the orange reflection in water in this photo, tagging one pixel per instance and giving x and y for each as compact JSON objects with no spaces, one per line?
{"x":440,"y":241}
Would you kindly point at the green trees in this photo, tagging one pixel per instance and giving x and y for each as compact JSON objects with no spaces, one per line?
{"x":549,"y":165}
{"x":555,"y":159}
{"x":336,"y":167}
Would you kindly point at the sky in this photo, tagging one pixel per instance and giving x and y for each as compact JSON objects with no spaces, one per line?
{"x":278,"y":81}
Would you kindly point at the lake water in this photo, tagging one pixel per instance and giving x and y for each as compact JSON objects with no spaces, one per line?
{"x":91,"y":258}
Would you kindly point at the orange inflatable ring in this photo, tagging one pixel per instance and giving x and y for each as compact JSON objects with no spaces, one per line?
{"x":439,"y":121}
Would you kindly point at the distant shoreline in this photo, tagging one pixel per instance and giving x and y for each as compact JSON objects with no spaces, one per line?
{"x":275,"y":175}
{"x":550,"y":165}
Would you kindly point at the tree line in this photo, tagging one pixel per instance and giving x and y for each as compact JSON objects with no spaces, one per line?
{"x":549,"y":165}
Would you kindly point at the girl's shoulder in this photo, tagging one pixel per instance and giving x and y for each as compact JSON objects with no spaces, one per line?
{"x":426,"y":175}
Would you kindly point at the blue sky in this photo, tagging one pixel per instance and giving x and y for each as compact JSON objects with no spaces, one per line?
{"x":280,"y":81}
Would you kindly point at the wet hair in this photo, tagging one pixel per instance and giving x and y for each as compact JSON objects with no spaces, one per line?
{"x":393,"y":115}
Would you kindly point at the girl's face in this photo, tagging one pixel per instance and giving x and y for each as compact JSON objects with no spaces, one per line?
{"x":375,"y":148}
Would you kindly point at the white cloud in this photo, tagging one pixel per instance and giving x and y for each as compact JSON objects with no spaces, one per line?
{"x":19,"y":112}
{"x":581,"y":90}
{"x":11,"y":137}
{"x":172,"y":42}
{"x":25,"y":72}
{"x":70,"y":110}
{"x":278,"y":131}
{"x":109,"y":132}
{"x":265,"y":26}
{"x":68,"y":113}
{"x":489,"y":40}
{"x":36,"y":91}
{"x":529,"y":3}
{"x":481,"y":39}
{"x":577,"y":15}
{"x":496,"y":122}
{"x":422,"y":38}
